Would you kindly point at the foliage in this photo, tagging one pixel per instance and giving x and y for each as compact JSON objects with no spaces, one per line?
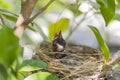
{"x":58,"y":26}
{"x":3,"y":72}
{"x":107,"y":8}
{"x":102,"y":43}
{"x":10,"y":17}
{"x":9,"y":46}
{"x":9,"y":50}
{"x":31,"y":65}
{"x":42,"y":76}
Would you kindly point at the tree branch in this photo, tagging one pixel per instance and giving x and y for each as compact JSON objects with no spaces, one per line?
{"x":25,"y":13}
{"x":24,"y":17}
{"x":78,"y":24}
{"x":39,"y":12}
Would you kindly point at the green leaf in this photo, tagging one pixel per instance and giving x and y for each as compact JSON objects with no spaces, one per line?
{"x":60,"y":25}
{"x":9,"y":46}
{"x":10,"y":17}
{"x":42,"y":76}
{"x":12,"y":77}
{"x":3,"y":73}
{"x":117,"y":17}
{"x":30,"y":65}
{"x":102,"y":44}
{"x":22,"y":75}
{"x":107,"y":8}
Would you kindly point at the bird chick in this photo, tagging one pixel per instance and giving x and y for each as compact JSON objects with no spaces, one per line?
{"x":58,"y":43}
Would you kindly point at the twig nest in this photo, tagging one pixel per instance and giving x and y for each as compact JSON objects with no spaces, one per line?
{"x":75,"y":63}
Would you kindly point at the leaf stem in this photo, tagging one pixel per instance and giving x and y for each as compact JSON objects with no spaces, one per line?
{"x":2,"y":20}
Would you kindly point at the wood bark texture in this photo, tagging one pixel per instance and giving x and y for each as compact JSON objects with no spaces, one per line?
{"x":25,"y":13}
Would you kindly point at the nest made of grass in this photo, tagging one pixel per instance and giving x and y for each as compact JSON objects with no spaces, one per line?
{"x":75,"y":63}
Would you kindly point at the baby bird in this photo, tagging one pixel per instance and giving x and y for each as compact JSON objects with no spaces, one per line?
{"x":58,"y":43}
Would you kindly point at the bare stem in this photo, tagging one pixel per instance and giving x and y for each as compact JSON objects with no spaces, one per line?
{"x":2,"y":20}
{"x":24,"y":16}
{"x":76,"y":27}
{"x":25,"y":13}
{"x":78,"y":24}
{"x":40,"y":11}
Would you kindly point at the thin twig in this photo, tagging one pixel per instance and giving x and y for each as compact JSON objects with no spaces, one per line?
{"x":2,"y":20}
{"x":39,"y":12}
{"x":77,"y":26}
{"x":72,"y":31}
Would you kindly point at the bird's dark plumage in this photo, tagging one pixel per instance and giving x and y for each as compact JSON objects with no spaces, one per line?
{"x":58,"y":43}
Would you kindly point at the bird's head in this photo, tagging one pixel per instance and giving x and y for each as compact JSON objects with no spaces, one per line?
{"x":58,"y":43}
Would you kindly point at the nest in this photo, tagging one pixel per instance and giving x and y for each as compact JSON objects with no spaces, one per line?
{"x":75,"y":63}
